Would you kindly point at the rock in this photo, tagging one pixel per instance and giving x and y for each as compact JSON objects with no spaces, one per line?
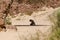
{"x":3,"y":6}
{"x":1,"y":21}
{"x":11,"y":28}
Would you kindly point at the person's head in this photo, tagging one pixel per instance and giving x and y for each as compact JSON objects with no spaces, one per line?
{"x":30,"y":20}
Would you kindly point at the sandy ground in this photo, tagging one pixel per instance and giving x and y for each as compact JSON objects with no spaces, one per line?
{"x":23,"y":31}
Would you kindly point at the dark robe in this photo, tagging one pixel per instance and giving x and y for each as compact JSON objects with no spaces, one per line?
{"x":32,"y":23}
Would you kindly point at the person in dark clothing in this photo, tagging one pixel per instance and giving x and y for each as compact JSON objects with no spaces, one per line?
{"x":32,"y":22}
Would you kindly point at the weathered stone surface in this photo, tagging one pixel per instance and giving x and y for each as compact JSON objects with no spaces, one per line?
{"x":1,"y":15}
{"x":1,"y":21}
{"x":11,"y":27}
{"x":3,"y":6}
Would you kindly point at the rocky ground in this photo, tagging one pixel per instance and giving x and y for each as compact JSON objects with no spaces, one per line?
{"x":24,"y":10}
{"x":29,"y":32}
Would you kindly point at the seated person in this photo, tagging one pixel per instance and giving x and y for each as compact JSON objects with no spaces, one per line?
{"x":32,"y":22}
